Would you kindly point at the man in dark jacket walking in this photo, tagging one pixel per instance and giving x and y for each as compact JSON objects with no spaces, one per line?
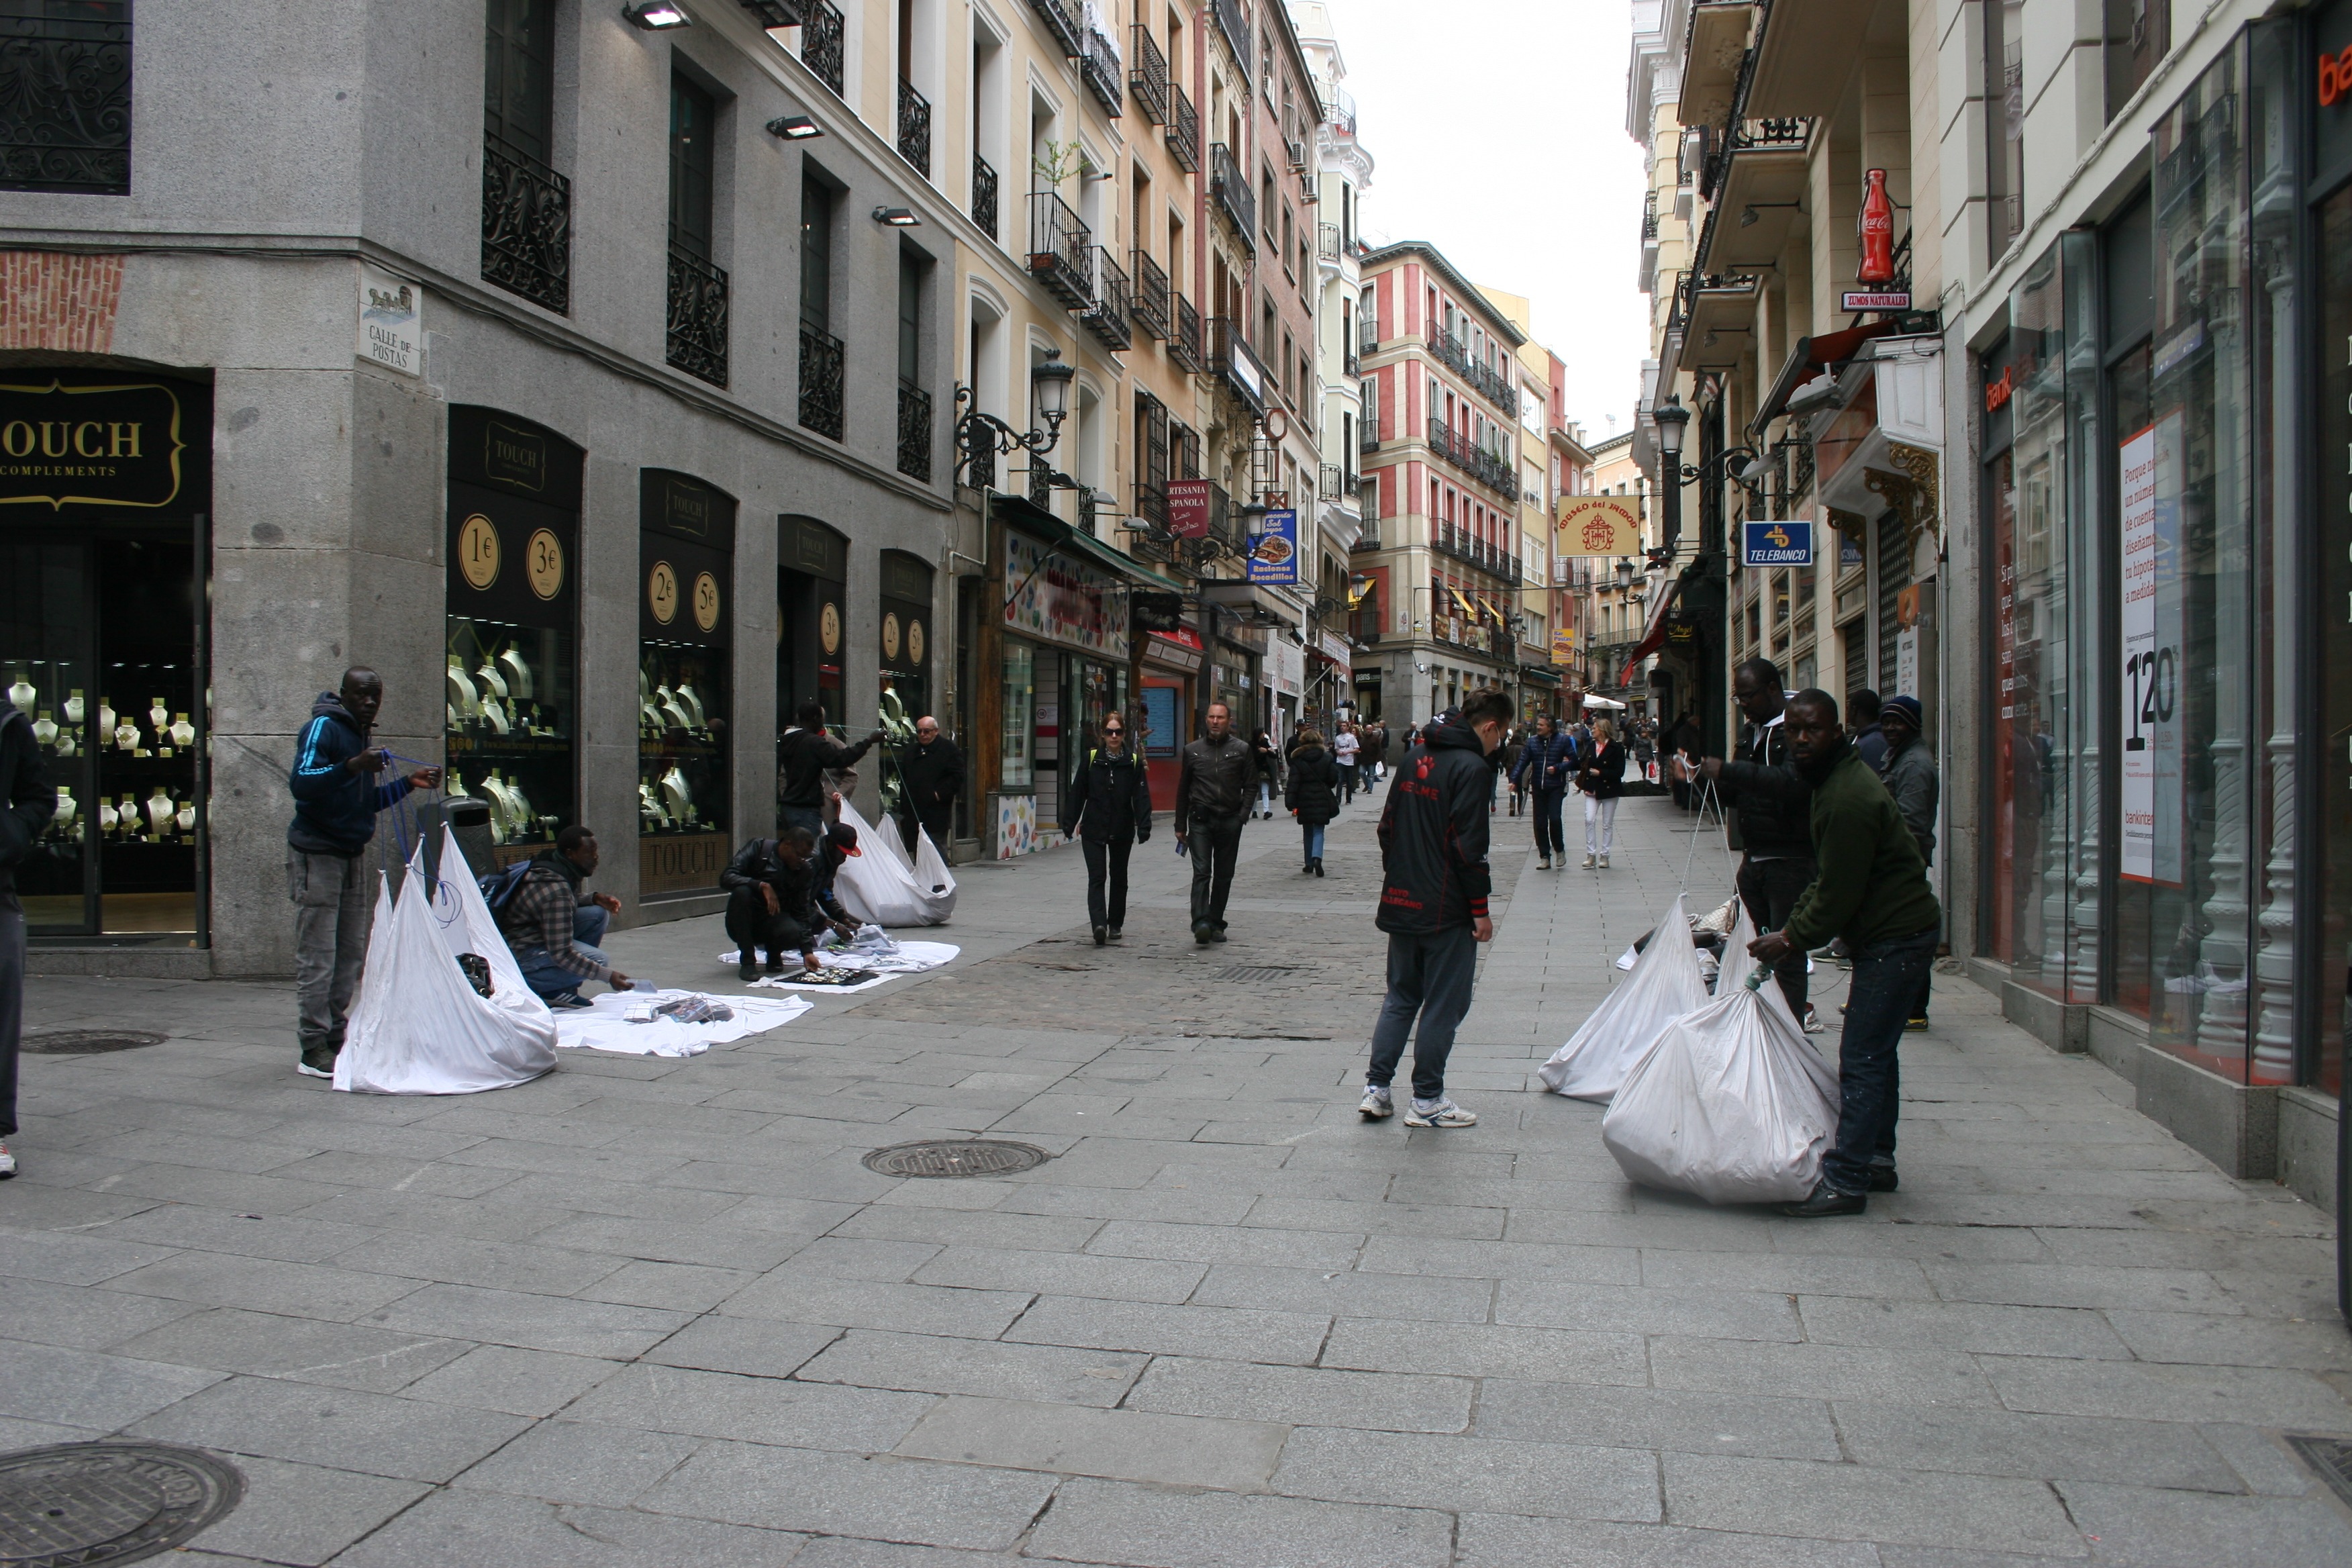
{"x":1774,"y":801}
{"x":932,"y":773}
{"x":1908,"y":769}
{"x":1872,"y":889}
{"x":1213,"y":791}
{"x":336,"y":798}
{"x":1546,"y":762}
{"x":27,"y":800}
{"x":1433,"y":886}
{"x":1107,"y":807}
{"x":775,"y":901}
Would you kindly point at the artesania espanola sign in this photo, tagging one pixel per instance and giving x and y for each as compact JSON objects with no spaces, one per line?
{"x":112,"y":444}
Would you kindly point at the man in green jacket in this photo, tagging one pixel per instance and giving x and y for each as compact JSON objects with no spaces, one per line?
{"x":1870,"y":888}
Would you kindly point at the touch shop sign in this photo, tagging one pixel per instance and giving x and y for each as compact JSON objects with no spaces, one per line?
{"x":116,"y":444}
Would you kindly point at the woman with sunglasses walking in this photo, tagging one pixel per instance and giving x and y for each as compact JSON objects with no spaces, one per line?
{"x":1108,"y":809}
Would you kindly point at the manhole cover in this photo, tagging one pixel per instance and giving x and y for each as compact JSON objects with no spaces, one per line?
{"x":1252,"y":972}
{"x":953,"y":1157}
{"x":88,"y":1042}
{"x":88,"y":1503}
{"x":2330,"y":1458}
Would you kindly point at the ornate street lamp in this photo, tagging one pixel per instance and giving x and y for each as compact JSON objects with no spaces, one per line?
{"x":981,"y":437}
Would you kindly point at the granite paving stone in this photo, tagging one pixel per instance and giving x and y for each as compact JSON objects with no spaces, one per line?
{"x":933,"y":1364}
{"x":883,"y":1497}
{"x":305,"y":1514}
{"x":1554,"y":1480}
{"x":1307,"y":1396}
{"x":1154,"y":1527}
{"x":347,"y":1429}
{"x":467,"y":1526}
{"x":1128,"y":1445}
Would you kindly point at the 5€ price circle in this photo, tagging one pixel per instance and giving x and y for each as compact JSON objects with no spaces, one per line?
{"x":705,"y":601}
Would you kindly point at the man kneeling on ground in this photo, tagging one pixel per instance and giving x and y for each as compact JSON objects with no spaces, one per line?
{"x":777,"y":898}
{"x":552,"y":931}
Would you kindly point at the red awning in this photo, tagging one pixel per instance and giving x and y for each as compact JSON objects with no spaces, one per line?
{"x":1654,"y":635}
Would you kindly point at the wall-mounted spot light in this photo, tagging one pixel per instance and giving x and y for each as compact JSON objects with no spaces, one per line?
{"x":794,"y":128}
{"x":897,"y":217}
{"x":656,"y":15}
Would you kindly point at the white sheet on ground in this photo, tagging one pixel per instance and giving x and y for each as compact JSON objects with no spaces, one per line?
{"x":603,"y":1026}
{"x":879,"y":886}
{"x":418,"y":1025}
{"x":1731,"y":1102}
{"x":901,"y":957}
{"x":1664,"y":985}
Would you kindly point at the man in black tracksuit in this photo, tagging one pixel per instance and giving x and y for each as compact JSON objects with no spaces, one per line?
{"x":1108,"y":809}
{"x":27,"y":800}
{"x":1775,"y":807}
{"x":776,"y":899}
{"x":1213,"y":786}
{"x":1434,"y":885}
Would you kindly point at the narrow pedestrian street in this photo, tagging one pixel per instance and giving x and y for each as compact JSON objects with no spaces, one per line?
{"x":655,"y":1312}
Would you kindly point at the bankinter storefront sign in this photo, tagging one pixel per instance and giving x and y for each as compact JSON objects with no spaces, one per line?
{"x":115,"y":444}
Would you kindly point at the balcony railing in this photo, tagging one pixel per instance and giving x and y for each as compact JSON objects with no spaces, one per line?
{"x":1236,"y":363}
{"x":1234,"y":23}
{"x":1183,"y":133}
{"x":1098,"y":64}
{"x":1326,"y":242}
{"x":822,"y":33}
{"x":1350,"y":364}
{"x":1151,"y":296}
{"x":914,"y":128}
{"x":821,"y":361}
{"x":1447,"y":350}
{"x":1148,"y":76}
{"x":1058,"y":247}
{"x":526,"y":227}
{"x":1367,"y":435}
{"x":1368,"y":334}
{"x":1331,"y":483}
{"x":697,"y":316}
{"x":1650,"y":217}
{"x":775,"y":13}
{"x":1106,"y":317}
{"x":1184,"y":346}
{"x":914,"y":432}
{"x":983,"y":195}
{"x":1061,"y":21}
{"x":1231,"y":187}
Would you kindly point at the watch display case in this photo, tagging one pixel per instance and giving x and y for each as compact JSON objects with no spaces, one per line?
{"x":511,"y":750}
{"x":687,"y":548}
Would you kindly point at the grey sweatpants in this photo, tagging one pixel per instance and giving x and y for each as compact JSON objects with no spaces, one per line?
{"x":331,"y":914}
{"x":12,"y":1005}
{"x":1430,"y":976}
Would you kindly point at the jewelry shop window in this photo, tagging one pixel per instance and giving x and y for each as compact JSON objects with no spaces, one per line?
{"x":513,"y":619}
{"x":686,"y":551}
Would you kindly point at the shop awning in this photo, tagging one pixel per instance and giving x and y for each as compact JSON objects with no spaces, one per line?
{"x":1025,"y":513}
{"x":1654,"y":635}
{"x":1467,"y":608}
{"x":1495,"y":613}
{"x":1812,"y":355}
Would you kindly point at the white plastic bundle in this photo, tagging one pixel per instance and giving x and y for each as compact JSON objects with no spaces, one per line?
{"x":881,"y":889}
{"x":1665,"y":985}
{"x":419,"y":1026}
{"x":1732,"y":1103}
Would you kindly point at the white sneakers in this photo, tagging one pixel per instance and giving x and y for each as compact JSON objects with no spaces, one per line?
{"x":7,"y":1162}
{"x":1604,"y":862}
{"x":1376,"y":1105}
{"x":1543,"y":863}
{"x":1587,"y":862}
{"x":1439,"y":1114}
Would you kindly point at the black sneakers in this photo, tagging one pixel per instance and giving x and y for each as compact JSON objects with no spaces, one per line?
{"x":1102,"y":935}
{"x":317,"y":1062}
{"x":1825,"y":1200}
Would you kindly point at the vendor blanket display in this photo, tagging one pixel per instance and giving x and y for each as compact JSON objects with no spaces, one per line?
{"x":1732,"y":1103}
{"x":879,"y":886}
{"x":872,"y":955}
{"x":419,"y":1026}
{"x":605,"y":1025}
{"x":1665,"y":984}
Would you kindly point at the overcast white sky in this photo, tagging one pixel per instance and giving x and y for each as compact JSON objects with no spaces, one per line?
{"x":1497,"y":133}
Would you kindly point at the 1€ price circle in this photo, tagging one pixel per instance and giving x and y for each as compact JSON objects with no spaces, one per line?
{"x":477,"y":550}
{"x":544,"y":563}
{"x":661,"y":592}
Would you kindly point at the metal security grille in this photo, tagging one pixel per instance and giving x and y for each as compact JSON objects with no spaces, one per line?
{"x":88,"y":1042}
{"x":941,"y":1158}
{"x":65,"y":96}
{"x":90,"y":1503}
{"x":2330,"y":1458}
{"x":1252,"y":973}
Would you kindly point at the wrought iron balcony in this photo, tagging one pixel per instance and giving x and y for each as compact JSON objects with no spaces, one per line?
{"x":1151,"y":295}
{"x":984,"y":196}
{"x":1058,"y":247}
{"x":1326,"y":242}
{"x":1234,"y":23}
{"x":526,"y":227}
{"x":980,"y":460}
{"x":1447,"y":350}
{"x":1231,"y":187}
{"x":821,"y":362}
{"x":914,"y":128}
{"x":1062,"y":20}
{"x":1151,"y":503}
{"x":1148,"y":75}
{"x":697,"y":316}
{"x":1234,"y":362}
{"x":775,"y":13}
{"x":1098,"y":64}
{"x":822,"y":32}
{"x":1367,"y":435}
{"x":1185,"y":346}
{"x":66,"y":86}
{"x":1106,"y":317}
{"x":914,"y":432}
{"x":1349,"y":365}
{"x":1331,"y":483}
{"x":1368,"y":334}
{"x":1183,"y":133}
{"x":1650,"y":217}
{"x":1225,"y":522}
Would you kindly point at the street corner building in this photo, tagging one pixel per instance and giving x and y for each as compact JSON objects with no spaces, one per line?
{"x":586,"y":377}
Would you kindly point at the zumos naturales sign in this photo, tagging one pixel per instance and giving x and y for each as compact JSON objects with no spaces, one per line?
{"x":113,"y":443}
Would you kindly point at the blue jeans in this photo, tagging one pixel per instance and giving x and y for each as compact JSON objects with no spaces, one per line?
{"x":1886,"y":978}
{"x":549,"y":978}
{"x":1314,"y":840}
{"x":1429,"y":975}
{"x":1549,"y":838}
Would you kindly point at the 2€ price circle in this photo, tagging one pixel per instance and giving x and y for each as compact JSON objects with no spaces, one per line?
{"x":705,"y":601}
{"x":661,"y":592}
{"x":544,"y":563}
{"x":477,"y":550}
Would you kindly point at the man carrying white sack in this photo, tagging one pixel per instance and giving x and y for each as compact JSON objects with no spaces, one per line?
{"x":1870,"y":888}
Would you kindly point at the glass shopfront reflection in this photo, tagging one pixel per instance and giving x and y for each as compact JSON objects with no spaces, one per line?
{"x":686,"y":560}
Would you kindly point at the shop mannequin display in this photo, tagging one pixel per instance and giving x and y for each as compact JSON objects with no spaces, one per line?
{"x":106,"y":722}
{"x":183,"y":734}
{"x":126,"y":817}
{"x":66,"y":807}
{"x":519,"y":684}
{"x":673,"y":712}
{"x":695,"y":717}
{"x":126,"y":737}
{"x":462,"y":695}
{"x":161,"y":811}
{"x":45,"y":729}
{"x":186,"y":817}
{"x":650,"y":809}
{"x":676,"y":796}
{"x":159,"y":719}
{"x":23,"y":695}
{"x":74,"y":707}
{"x":67,"y":745}
{"x":491,"y":680}
{"x":105,"y":815}
{"x":495,"y":716}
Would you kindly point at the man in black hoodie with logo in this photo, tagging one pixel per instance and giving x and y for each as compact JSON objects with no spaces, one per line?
{"x":27,"y":800}
{"x":336,"y":798}
{"x":1434,"y":885}
{"x":1775,"y":819}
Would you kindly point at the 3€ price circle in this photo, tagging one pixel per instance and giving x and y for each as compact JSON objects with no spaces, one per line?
{"x":543,"y":563}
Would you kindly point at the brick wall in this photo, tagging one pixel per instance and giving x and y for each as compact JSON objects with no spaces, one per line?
{"x":52,"y":300}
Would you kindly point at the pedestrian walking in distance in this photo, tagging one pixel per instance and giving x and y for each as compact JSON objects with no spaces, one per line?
{"x":27,"y":800}
{"x":1108,"y":809}
{"x":1908,"y":769}
{"x":1346,"y":747}
{"x":1601,"y":778}
{"x":1269,"y":763}
{"x":1544,"y":776}
{"x":336,"y":798}
{"x":773,"y":901}
{"x":1514,"y":746}
{"x":1213,"y":791}
{"x":932,"y":774}
{"x":1434,"y":885}
{"x":1870,"y":888}
{"x":1775,"y":803}
{"x":1313,"y":796}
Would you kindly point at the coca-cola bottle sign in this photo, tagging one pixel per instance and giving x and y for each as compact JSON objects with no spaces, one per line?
{"x":1877,"y":225}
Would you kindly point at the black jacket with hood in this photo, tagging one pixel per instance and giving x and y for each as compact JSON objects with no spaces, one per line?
{"x":1110,"y":799}
{"x":1433,"y":873}
{"x":804,"y":758}
{"x":1314,"y":789}
{"x":28,"y":798}
{"x":334,"y":808}
{"x":1776,"y":804}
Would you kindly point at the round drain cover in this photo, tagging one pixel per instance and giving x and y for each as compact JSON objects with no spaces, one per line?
{"x":88,"y":1503}
{"x":956,"y":1157}
{"x":88,"y":1042}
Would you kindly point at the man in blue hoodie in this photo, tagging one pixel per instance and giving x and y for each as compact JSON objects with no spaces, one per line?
{"x":336,"y":798}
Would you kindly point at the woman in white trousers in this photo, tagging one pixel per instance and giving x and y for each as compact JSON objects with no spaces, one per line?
{"x":1602,"y":780}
